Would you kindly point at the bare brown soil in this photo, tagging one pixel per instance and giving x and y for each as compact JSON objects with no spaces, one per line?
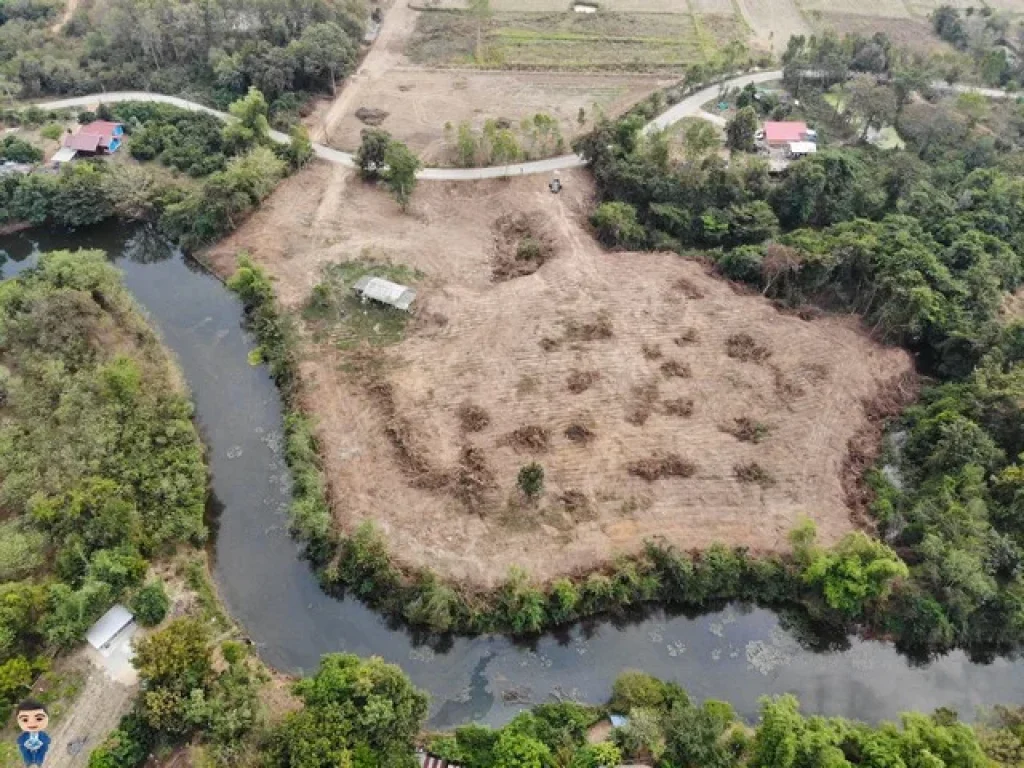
{"x":911,"y":33}
{"x":634,"y":454}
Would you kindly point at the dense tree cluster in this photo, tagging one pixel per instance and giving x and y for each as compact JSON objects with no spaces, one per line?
{"x":990,"y":38}
{"x":237,"y":164}
{"x":100,"y":471}
{"x":215,"y":50}
{"x":925,"y":244}
{"x":666,"y":729}
{"x":186,"y":694}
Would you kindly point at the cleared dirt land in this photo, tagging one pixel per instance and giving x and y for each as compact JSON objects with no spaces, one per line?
{"x":420,"y":102}
{"x":659,"y":400}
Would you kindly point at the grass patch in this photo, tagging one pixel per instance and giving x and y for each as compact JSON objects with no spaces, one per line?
{"x":334,"y":310}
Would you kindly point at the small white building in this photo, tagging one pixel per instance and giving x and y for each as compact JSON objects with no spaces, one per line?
{"x":801,"y":148}
{"x":385,"y":291}
{"x":111,"y":624}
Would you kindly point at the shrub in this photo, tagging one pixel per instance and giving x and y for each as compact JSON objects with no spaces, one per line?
{"x":52,"y":131}
{"x":531,"y":479}
{"x":634,"y":689}
{"x":150,"y":604}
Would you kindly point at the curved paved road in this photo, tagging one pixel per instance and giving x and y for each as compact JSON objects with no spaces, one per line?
{"x":690,"y":106}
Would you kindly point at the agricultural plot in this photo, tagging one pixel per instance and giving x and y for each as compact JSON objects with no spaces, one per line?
{"x":603,"y":41}
{"x":873,"y":8}
{"x":658,"y":400}
{"x":773,"y":22}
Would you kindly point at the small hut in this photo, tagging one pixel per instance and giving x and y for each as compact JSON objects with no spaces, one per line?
{"x":384,"y":291}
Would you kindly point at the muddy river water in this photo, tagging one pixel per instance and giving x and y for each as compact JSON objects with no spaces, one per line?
{"x":737,"y":654}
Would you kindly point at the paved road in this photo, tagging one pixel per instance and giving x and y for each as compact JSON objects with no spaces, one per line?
{"x":688,"y":107}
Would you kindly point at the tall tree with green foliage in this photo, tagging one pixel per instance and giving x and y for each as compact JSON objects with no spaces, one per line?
{"x":741,"y":129}
{"x":399,"y":175}
{"x":250,"y":125}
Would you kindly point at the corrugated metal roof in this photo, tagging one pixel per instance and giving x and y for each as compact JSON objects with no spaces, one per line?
{"x":112,"y":622}
{"x":63,"y":155}
{"x":784,"y":131}
{"x":385,"y":291}
{"x":803,"y":147}
{"x":83,"y":142}
{"x":100,"y":127}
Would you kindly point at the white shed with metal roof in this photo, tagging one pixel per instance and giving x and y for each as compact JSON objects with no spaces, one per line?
{"x":111,"y":624}
{"x":385,"y":291}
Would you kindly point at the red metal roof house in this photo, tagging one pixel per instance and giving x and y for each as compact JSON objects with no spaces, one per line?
{"x":780,"y":134}
{"x":98,"y":137}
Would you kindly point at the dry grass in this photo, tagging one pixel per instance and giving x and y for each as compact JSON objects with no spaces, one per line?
{"x":393,"y":444}
{"x":521,"y":246}
{"x":747,"y":430}
{"x":677,"y":369}
{"x":581,"y":381}
{"x":658,"y":467}
{"x":472,"y":418}
{"x":752,"y":472}
{"x":679,"y":406}
{"x":529,"y":439}
{"x":743,"y":346}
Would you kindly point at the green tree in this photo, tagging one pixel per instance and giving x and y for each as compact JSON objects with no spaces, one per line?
{"x":175,"y":658}
{"x":531,"y":479}
{"x":400,"y":172}
{"x":596,"y":756}
{"x":300,"y":149}
{"x":517,"y":750}
{"x":740,"y":131}
{"x":875,"y":105}
{"x":634,"y":689}
{"x":700,"y":138}
{"x":373,"y":148}
{"x":855,"y":573}
{"x":616,"y":224}
{"x":353,"y":707}
{"x":150,"y":604}
{"x":250,"y":125}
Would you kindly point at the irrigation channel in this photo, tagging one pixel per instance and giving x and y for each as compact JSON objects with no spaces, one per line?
{"x":737,"y":654}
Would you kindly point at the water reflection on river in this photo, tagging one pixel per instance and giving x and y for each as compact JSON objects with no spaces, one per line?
{"x":737,"y":654}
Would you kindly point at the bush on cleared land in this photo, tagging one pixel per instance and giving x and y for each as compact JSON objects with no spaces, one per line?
{"x":743,"y":346}
{"x":581,"y":381}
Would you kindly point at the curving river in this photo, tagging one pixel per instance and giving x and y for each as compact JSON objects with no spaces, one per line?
{"x":737,"y":654}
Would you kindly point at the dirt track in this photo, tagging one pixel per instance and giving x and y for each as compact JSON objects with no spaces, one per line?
{"x":484,"y":342}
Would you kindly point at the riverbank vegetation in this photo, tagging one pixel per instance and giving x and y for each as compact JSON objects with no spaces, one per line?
{"x":361,"y":713}
{"x":211,"y":176}
{"x":924,"y":244}
{"x":212,"y":54}
{"x":102,"y":468}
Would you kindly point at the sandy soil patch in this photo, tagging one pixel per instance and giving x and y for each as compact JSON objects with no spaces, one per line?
{"x":420,"y":102}
{"x":706,"y":415}
{"x":773,"y":22}
{"x":95,"y":712}
{"x":720,"y":7}
{"x":877,"y":8}
{"x":912,"y":33}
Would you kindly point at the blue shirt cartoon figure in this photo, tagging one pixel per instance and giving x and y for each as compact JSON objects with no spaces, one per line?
{"x":34,"y":741}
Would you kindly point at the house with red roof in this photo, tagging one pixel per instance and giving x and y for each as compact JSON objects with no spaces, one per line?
{"x":780,"y":134}
{"x":100,"y":137}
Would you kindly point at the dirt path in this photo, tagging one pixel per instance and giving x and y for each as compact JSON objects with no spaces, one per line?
{"x":96,"y":712}
{"x":69,"y":11}
{"x":385,"y":54}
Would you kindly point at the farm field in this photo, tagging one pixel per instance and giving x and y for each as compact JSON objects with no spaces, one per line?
{"x":659,"y":400}
{"x":913,"y":33}
{"x":604,"y":41}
